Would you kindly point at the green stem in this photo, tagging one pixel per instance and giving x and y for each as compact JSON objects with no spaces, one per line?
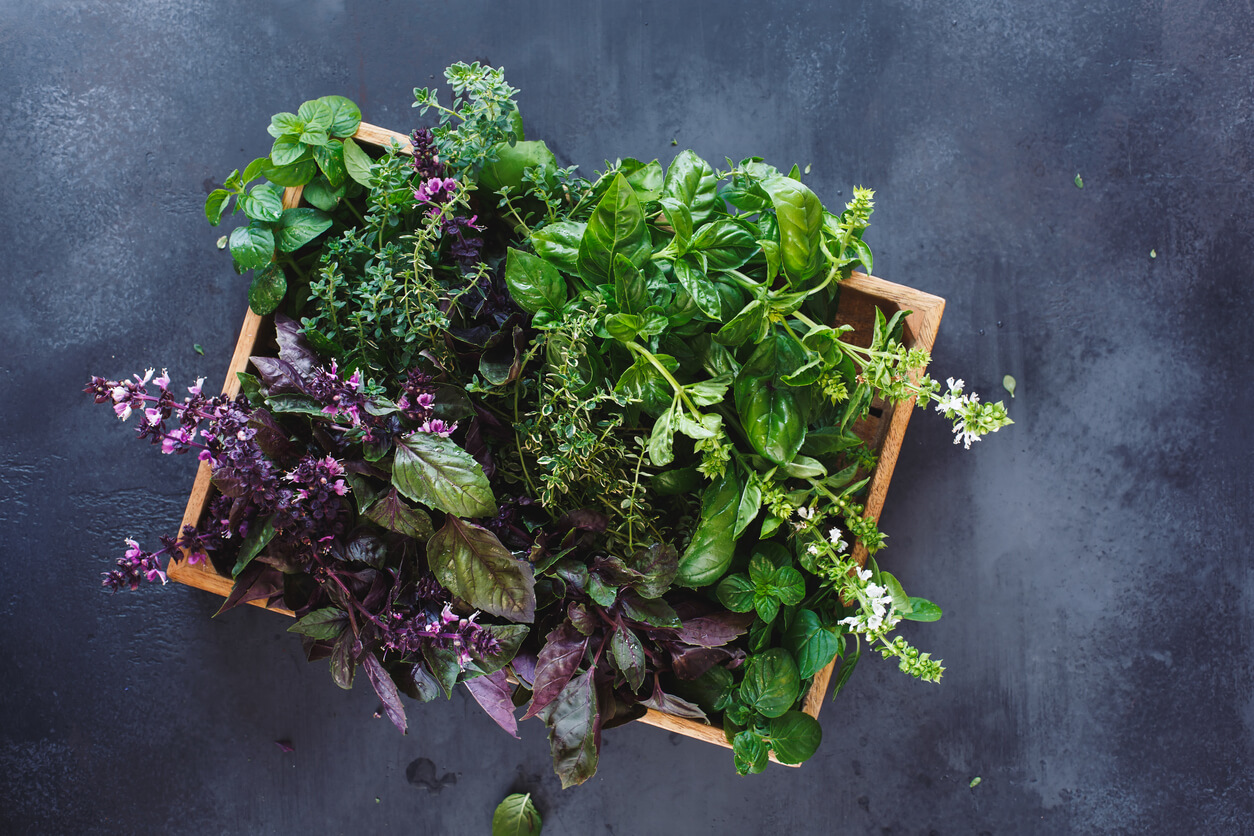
{"x":666,"y":375}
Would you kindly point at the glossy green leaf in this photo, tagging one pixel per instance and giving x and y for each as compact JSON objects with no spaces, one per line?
{"x":810,"y":643}
{"x":320,"y":194}
{"x":749,"y":752}
{"x":616,"y":227}
{"x":345,"y":116}
{"x":534,"y":283}
{"x":709,"y":554}
{"x":750,"y":505}
{"x":679,"y":217}
{"x":771,"y":684}
{"x":317,"y":115}
{"x":263,"y":203}
{"x":661,"y":439}
{"x":433,"y":470}
{"x":700,"y":288}
{"x":267,"y":289}
{"x":330,"y":158}
{"x":215,"y":205}
{"x":726,"y":244}
{"x":751,"y":324}
{"x":923,"y":610}
{"x":326,"y":623}
{"x":736,"y":592}
{"x":297,"y":227}
{"x":645,"y":178}
{"x":294,"y":174}
{"x":472,"y":564}
{"x":644,"y":383}
{"x":259,"y":536}
{"x":690,"y":180}
{"x":631,"y":292}
{"x":287,"y":151}
{"x":799,"y":213}
{"x":795,"y":737}
{"x":516,"y":816}
{"x":558,"y":244}
{"x":357,"y":163}
{"x":252,"y":246}
{"x":769,"y":410}
{"x":282,"y":124}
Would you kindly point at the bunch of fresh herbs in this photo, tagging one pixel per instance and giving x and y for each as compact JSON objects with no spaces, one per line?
{"x":587,"y":446}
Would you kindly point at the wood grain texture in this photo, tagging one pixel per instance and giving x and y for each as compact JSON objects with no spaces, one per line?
{"x":860,"y":296}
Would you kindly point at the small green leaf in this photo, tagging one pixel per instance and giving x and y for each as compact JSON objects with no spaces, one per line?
{"x":736,"y":593}
{"x":317,"y":115}
{"x":1153,"y":253}
{"x":1079,"y":181}
{"x":254,"y":170}
{"x":196,"y":347}
{"x":297,"y":227}
{"x":330,"y":158}
{"x":923,"y":610}
{"x":282,"y":124}
{"x":258,"y":537}
{"x":795,"y":737}
{"x":749,"y":752}
{"x":287,"y":151}
{"x":215,"y":205}
{"x":222,"y":242}
{"x":252,"y":246}
{"x":975,"y":782}
{"x":516,"y":816}
{"x":1009,"y":383}
{"x":263,"y":203}
{"x":661,"y":440}
{"x":357,"y":162}
{"x":326,"y":623}
{"x":772,"y":683}
{"x":267,"y":289}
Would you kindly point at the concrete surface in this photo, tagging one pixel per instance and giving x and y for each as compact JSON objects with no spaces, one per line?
{"x":1093,"y":560}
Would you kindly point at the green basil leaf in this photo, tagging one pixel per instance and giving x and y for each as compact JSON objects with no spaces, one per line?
{"x":654,"y":612}
{"x":788,"y":585}
{"x":215,"y":205}
{"x":690,"y":180}
{"x":472,"y":564}
{"x":259,"y":536}
{"x":709,"y":554}
{"x":345,"y":116}
{"x":316,"y":114}
{"x":254,"y":170}
{"x":812,"y":644}
{"x":252,"y":246}
{"x":516,"y":816}
{"x":642,"y":381}
{"x":268,"y":287}
{"x":330,"y":158}
{"x":263,"y":203}
{"x":287,"y":151}
{"x":297,"y":227}
{"x":749,"y":752}
{"x":661,"y":440}
{"x":558,"y":244}
{"x":533,"y":282}
{"x":766,"y":606}
{"x":922,"y":609}
{"x":901,"y":601}
{"x":394,"y":514}
{"x":750,"y":505}
{"x":750,"y":324}
{"x":294,"y":174}
{"x":769,"y":409}
{"x":736,"y":593}
{"x":679,"y":216}
{"x":726,"y":244}
{"x":319,"y":194}
{"x":800,"y":215}
{"x":703,"y":291}
{"x":624,"y":327}
{"x":628,"y":656}
{"x":847,"y":664}
{"x":863,"y":253}
{"x":631,"y":292}
{"x":795,"y":737}
{"x":616,"y":227}
{"x":282,"y":124}
{"x":645,"y":178}
{"x":443,"y":665}
{"x":436,"y":472}
{"x":326,"y":623}
{"x":709,"y":392}
{"x":357,"y":162}
{"x":772,"y":683}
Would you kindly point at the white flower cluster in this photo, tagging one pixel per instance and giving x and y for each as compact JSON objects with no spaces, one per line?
{"x":876,"y":614}
{"x":971,"y":418}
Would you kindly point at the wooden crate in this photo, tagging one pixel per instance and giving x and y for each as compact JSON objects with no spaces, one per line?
{"x":884,"y":429}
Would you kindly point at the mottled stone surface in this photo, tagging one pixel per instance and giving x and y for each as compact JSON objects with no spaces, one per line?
{"x":1093,"y":559}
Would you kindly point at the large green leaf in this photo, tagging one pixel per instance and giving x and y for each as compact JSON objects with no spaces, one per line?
{"x":252,"y":246}
{"x":472,"y":564}
{"x":800,"y":215}
{"x":516,"y":816}
{"x":812,"y":644}
{"x":769,"y":408}
{"x":703,"y":291}
{"x":726,"y":244}
{"x":436,"y":472}
{"x":795,"y":737}
{"x":534,"y":283}
{"x":690,"y":180}
{"x":710,"y":552}
{"x":558,"y":244}
{"x":297,"y":227}
{"x":616,"y":227}
{"x":345,"y":116}
{"x":772,"y":683}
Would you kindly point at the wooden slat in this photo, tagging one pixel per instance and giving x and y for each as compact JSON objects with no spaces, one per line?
{"x":383,"y":137}
{"x":693,"y":729}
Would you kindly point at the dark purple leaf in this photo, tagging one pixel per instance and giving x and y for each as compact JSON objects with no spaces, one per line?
{"x":279,"y":377}
{"x":257,"y":582}
{"x":364,"y":546}
{"x":715,"y":630}
{"x":477,"y":447}
{"x":394,"y":513}
{"x":583,"y":620}
{"x":270,"y":437}
{"x":656,"y":567}
{"x":572,"y":723}
{"x":386,"y":689}
{"x":230,"y":482}
{"x":293,"y":347}
{"x":674,"y":706}
{"x":653,"y":612}
{"x":559,"y":659}
{"x":584,"y":519}
{"x":342,"y":664}
{"x":691,"y":662}
{"x":524,"y":667}
{"x":494,"y":694}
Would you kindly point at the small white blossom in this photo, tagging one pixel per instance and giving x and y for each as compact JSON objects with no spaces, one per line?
{"x":805,"y":512}
{"x":813,"y":549}
{"x":834,"y":536}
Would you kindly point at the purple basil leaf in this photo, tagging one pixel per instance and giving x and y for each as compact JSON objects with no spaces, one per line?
{"x":494,"y":694}
{"x":627,"y":653}
{"x":582,"y":620}
{"x":715,"y":630}
{"x":342,"y":664}
{"x":386,"y":689}
{"x":572,"y":722}
{"x":293,"y":348}
{"x":559,"y":658}
{"x":674,"y":706}
{"x":656,"y":567}
{"x":691,"y":662}
{"x":394,"y":513}
{"x":471,"y":563}
{"x":279,"y":377}
{"x":270,"y":437}
{"x":257,"y":582}
{"x":230,"y":482}
{"x":651,"y":612}
{"x":584,"y":519}
{"x":524,"y":667}
{"x":477,"y":447}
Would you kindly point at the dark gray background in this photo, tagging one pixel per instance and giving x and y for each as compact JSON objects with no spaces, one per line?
{"x":1093,"y":559}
